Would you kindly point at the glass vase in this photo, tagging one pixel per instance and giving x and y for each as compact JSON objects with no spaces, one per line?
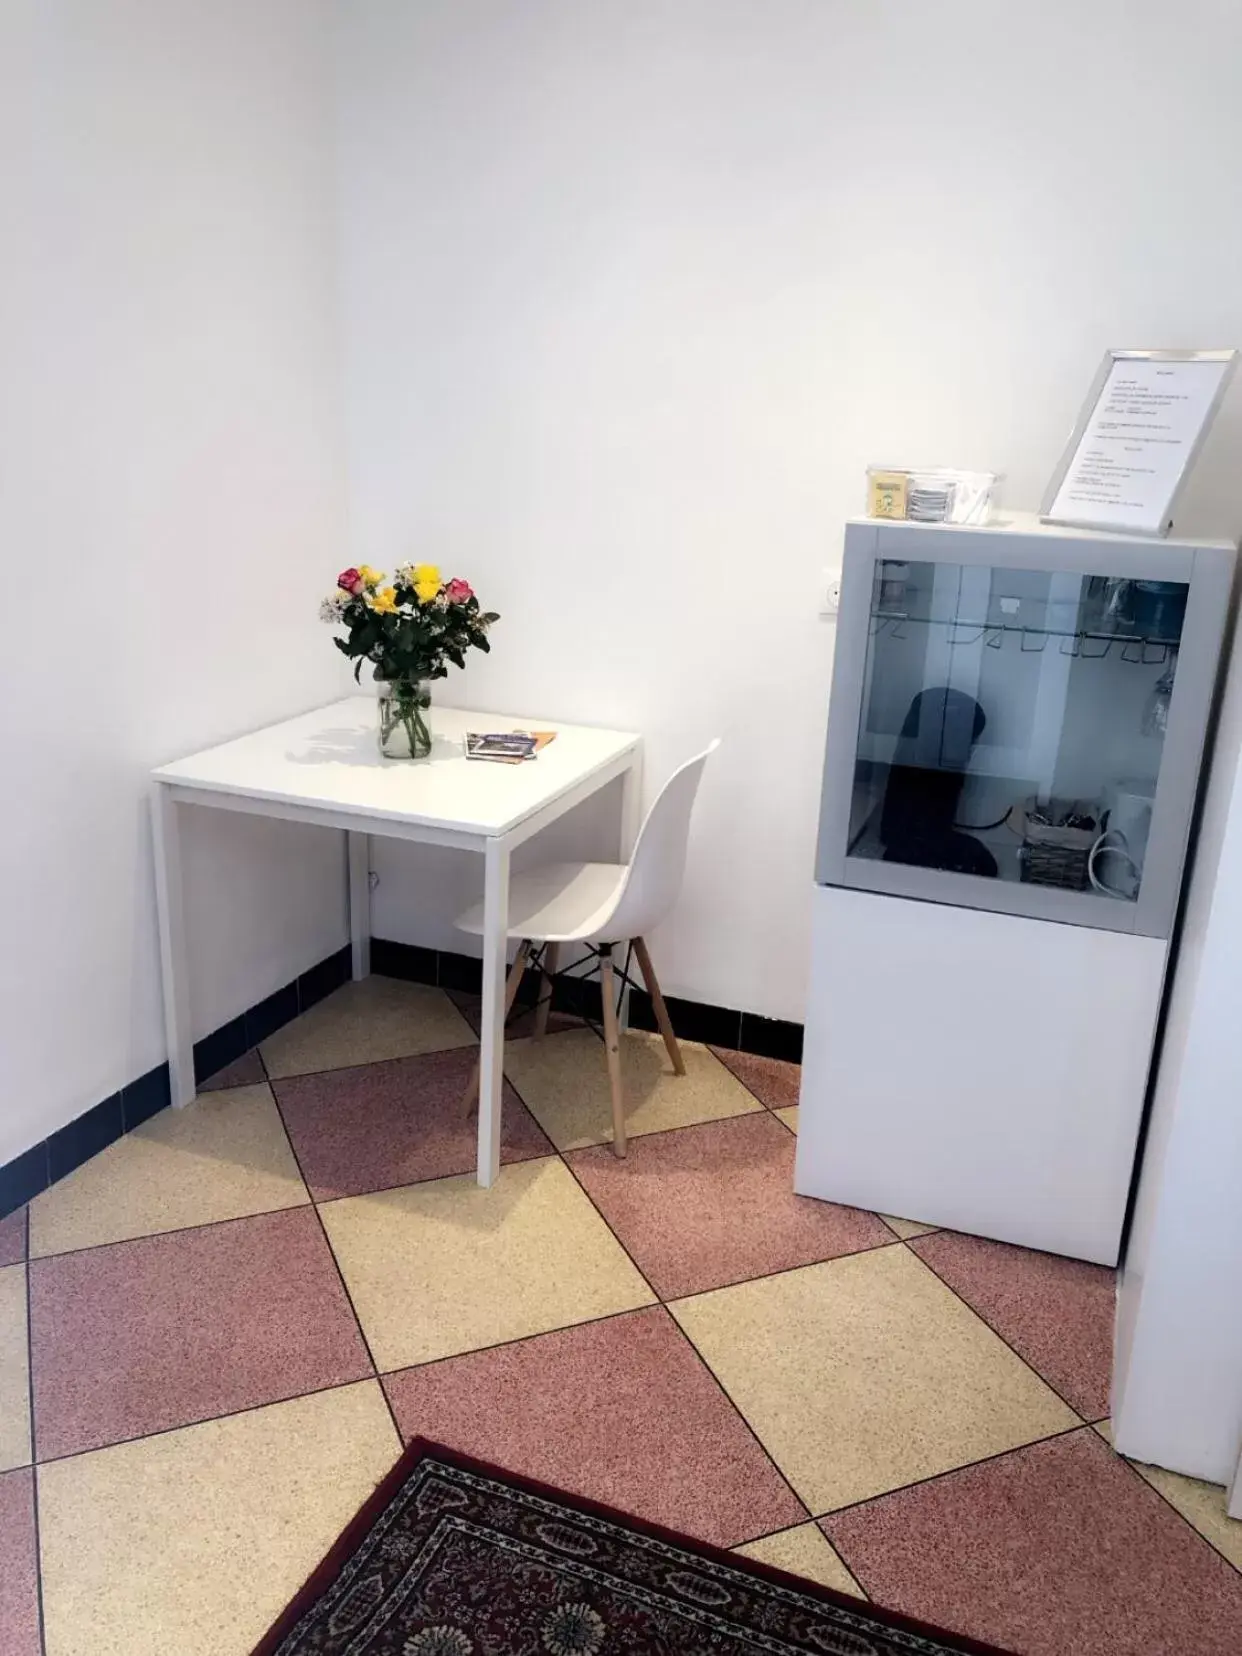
{"x":404,"y":718}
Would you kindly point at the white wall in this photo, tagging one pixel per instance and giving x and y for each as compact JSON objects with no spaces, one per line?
{"x":1178,"y":1381}
{"x":635,"y":289}
{"x":171,"y":503}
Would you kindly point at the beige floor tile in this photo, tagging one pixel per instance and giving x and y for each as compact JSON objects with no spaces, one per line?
{"x":789,"y":1115}
{"x":14,"y":1370}
{"x":443,"y":1267}
{"x":1201,"y":1504}
{"x":866,"y":1373}
{"x":804,"y":1551}
{"x":364,"y":1022}
{"x":193,"y":1541}
{"x":222,"y":1157}
{"x":564,"y":1084}
{"x":907,"y":1228}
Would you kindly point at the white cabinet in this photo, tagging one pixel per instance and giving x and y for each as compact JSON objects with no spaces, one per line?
{"x":1015,"y":740}
{"x":975,"y":1070}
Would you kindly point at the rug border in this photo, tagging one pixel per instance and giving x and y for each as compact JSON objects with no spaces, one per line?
{"x":419,"y":1448}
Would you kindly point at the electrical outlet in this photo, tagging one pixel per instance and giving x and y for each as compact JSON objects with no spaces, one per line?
{"x":830,"y":592}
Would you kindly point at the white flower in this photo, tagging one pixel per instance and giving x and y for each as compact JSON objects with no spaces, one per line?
{"x":573,"y":1630}
{"x":332,"y":608}
{"x":439,"y":1641}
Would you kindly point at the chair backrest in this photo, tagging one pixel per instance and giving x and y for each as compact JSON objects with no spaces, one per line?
{"x":659,"y":861}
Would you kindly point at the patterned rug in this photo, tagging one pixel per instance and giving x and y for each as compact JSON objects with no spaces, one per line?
{"x":450,"y":1557}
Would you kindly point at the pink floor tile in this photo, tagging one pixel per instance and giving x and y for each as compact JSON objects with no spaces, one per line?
{"x":246,"y":1071}
{"x":13,"y":1238}
{"x":1058,"y":1313}
{"x":145,"y":1335}
{"x":394,"y":1123}
{"x":704,"y":1206}
{"x":621,"y":1411}
{"x":773,"y":1081}
{"x":1055,"y":1550}
{"x":19,"y":1586}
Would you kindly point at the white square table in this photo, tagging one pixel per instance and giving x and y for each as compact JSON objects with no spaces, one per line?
{"x":325,"y":768}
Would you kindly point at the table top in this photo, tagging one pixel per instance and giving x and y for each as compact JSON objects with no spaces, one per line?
{"x":329,"y":760}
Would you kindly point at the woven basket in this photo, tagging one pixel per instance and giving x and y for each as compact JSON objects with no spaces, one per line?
{"x":1054,"y":856}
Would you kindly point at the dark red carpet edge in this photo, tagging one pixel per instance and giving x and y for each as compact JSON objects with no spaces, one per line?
{"x":360,"y":1525}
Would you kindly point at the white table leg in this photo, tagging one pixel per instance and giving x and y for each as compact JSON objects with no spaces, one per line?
{"x":166,"y":840}
{"x":359,"y":854}
{"x":631,"y":822}
{"x":492,"y":1027}
{"x":631,"y":805}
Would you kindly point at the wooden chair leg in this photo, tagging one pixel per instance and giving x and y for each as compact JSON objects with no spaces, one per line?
{"x":551,"y":960}
{"x":471,"y":1095}
{"x":612,"y":1048}
{"x":663,"y":1022}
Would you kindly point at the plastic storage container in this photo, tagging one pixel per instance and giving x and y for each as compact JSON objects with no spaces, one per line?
{"x":935,"y":496}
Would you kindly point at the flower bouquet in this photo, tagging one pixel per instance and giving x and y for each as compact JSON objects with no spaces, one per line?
{"x":411,"y":630}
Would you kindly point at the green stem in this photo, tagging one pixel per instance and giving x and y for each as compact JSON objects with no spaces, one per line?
{"x":416,"y":730}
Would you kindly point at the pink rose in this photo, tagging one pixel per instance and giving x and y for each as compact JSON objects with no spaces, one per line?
{"x":350,"y":580}
{"x":457,"y":592}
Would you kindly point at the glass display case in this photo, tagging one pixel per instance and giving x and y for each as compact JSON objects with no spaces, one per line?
{"x":1018,"y":716}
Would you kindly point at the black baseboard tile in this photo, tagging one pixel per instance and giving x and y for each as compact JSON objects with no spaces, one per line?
{"x":69,"y":1146}
{"x":221,"y":1047}
{"x":404,"y":960}
{"x":691,"y":1020}
{"x":529,"y":989}
{"x":578,"y":998}
{"x":271,"y":1014}
{"x":22,"y":1179}
{"x":145,"y":1097}
{"x":326,"y":976}
{"x":641,"y":1014}
{"x":460,"y":971}
{"x":771,"y":1037}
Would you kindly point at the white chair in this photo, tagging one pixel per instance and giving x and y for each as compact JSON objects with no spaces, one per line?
{"x":601,"y":905}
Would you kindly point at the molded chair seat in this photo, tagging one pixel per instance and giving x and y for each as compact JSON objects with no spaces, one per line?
{"x":566,"y":902}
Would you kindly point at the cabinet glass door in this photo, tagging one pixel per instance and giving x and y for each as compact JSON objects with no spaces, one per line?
{"x":1013,"y":723}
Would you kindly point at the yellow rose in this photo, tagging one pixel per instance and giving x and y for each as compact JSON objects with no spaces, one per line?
{"x":370,"y":577}
{"x":426,"y":581}
{"x":385,"y":601}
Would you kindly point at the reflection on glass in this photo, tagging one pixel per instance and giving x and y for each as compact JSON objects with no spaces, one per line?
{"x":1013,"y":723}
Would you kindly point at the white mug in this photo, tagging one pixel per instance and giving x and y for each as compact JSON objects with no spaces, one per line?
{"x":1124,"y":872}
{"x":1115,"y":864}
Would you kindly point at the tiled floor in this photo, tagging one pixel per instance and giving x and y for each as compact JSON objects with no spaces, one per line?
{"x":214,"y":1337}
